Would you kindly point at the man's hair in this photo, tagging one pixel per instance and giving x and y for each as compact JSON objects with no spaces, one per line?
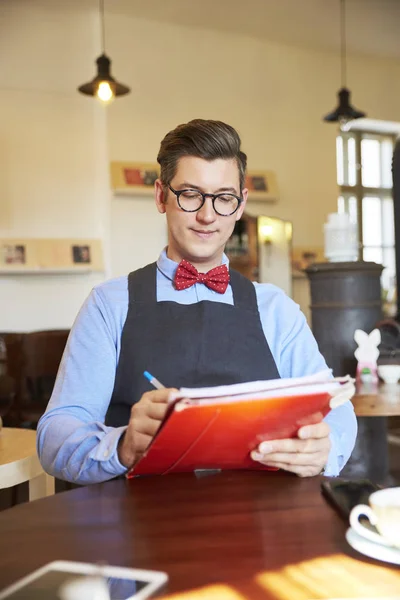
{"x":204,"y":139}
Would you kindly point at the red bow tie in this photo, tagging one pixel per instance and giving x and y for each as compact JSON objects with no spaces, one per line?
{"x":216,"y":279}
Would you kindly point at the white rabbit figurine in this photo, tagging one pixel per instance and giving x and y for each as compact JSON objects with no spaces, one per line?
{"x":367,"y":354}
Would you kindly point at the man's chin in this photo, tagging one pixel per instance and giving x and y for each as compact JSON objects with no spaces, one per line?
{"x":202,"y":253}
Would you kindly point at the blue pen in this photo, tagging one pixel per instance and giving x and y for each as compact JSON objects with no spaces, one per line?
{"x":153,"y":380}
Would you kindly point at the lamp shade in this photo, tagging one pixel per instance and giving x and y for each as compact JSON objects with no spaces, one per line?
{"x":344,"y":111}
{"x":103,"y":77}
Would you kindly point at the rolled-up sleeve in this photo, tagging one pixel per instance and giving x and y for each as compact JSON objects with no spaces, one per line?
{"x":296,"y":354}
{"x":72,"y":441}
{"x":343,"y":424}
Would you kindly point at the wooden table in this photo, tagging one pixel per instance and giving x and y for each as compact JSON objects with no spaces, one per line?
{"x":383,"y":401}
{"x":19,"y":463}
{"x":265,"y":535}
{"x":373,"y":405}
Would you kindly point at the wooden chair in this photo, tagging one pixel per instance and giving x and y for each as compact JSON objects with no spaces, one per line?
{"x":33,"y":361}
{"x":41,"y":356}
{"x":13,"y":369}
{"x":7,"y":383}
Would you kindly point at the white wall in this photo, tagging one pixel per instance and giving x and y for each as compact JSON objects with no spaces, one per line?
{"x":53,"y":155}
{"x":138,"y":233}
{"x":54,"y":142}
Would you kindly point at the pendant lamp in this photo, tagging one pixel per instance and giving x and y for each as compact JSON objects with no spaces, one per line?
{"x":345,"y":111}
{"x":103,"y":87}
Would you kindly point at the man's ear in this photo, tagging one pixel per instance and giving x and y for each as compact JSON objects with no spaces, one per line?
{"x":242,"y":204}
{"x":160,"y":196}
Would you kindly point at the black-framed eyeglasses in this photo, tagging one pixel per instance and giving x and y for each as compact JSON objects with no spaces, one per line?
{"x":224,"y":204}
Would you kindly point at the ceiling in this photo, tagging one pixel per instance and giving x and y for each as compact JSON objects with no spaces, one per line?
{"x":372,"y":25}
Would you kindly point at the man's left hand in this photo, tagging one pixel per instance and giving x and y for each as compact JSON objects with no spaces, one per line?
{"x":305,"y":455}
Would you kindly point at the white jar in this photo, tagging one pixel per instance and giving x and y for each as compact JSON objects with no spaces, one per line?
{"x":341,"y":243}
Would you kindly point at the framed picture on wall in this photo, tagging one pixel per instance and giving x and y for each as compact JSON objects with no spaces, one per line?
{"x":74,"y":254}
{"x":50,"y":255}
{"x":262,"y":185}
{"x":134,"y":178}
{"x":17,"y":254}
{"x":81,"y":254}
{"x":14,"y":254}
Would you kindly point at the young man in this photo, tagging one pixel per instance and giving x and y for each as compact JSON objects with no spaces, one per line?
{"x":187,"y":326}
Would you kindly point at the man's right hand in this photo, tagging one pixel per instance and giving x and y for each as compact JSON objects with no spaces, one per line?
{"x":145,"y":419}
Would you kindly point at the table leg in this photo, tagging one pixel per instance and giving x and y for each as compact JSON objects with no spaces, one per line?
{"x":370,"y":458}
{"x":41,"y":486}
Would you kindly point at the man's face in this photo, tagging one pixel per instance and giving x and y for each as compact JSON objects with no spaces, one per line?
{"x":200,"y":236}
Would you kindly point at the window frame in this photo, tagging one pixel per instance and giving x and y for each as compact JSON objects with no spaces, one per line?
{"x":359,"y":191}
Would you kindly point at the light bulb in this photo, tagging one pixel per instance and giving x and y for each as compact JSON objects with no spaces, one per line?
{"x":105,"y":93}
{"x":265,"y":230}
{"x":344,"y":122}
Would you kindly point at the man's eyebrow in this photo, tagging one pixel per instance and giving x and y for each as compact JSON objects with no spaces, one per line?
{"x":193,"y":186}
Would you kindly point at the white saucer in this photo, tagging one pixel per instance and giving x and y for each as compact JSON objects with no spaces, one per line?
{"x":373,"y":549}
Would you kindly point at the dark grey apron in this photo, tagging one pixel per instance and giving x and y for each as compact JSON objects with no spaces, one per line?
{"x":187,"y":345}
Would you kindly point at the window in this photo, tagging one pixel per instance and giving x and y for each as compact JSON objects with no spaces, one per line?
{"x":364,"y":176}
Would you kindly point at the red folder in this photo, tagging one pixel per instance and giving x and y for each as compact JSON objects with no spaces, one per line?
{"x":220,"y":432}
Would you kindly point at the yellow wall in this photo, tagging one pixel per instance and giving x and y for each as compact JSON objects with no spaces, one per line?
{"x":55,"y":144}
{"x":275,"y":95}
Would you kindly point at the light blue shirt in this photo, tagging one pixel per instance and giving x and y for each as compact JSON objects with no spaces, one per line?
{"x":73,"y":442}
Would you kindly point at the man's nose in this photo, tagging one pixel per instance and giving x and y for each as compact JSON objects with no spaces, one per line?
{"x":207,"y":213}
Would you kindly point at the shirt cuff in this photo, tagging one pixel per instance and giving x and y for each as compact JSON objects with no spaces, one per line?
{"x":335,"y":461}
{"x":106,"y":452}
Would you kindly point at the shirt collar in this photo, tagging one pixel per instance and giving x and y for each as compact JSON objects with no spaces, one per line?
{"x":168,"y":266}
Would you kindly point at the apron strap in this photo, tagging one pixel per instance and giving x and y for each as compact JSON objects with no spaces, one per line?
{"x":142,"y":284}
{"x":244,"y":293}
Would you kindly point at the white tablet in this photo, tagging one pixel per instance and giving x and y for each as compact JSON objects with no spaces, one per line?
{"x":65,"y":580}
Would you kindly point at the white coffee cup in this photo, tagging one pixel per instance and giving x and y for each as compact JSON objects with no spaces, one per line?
{"x":389,"y":373}
{"x":383,"y":513}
